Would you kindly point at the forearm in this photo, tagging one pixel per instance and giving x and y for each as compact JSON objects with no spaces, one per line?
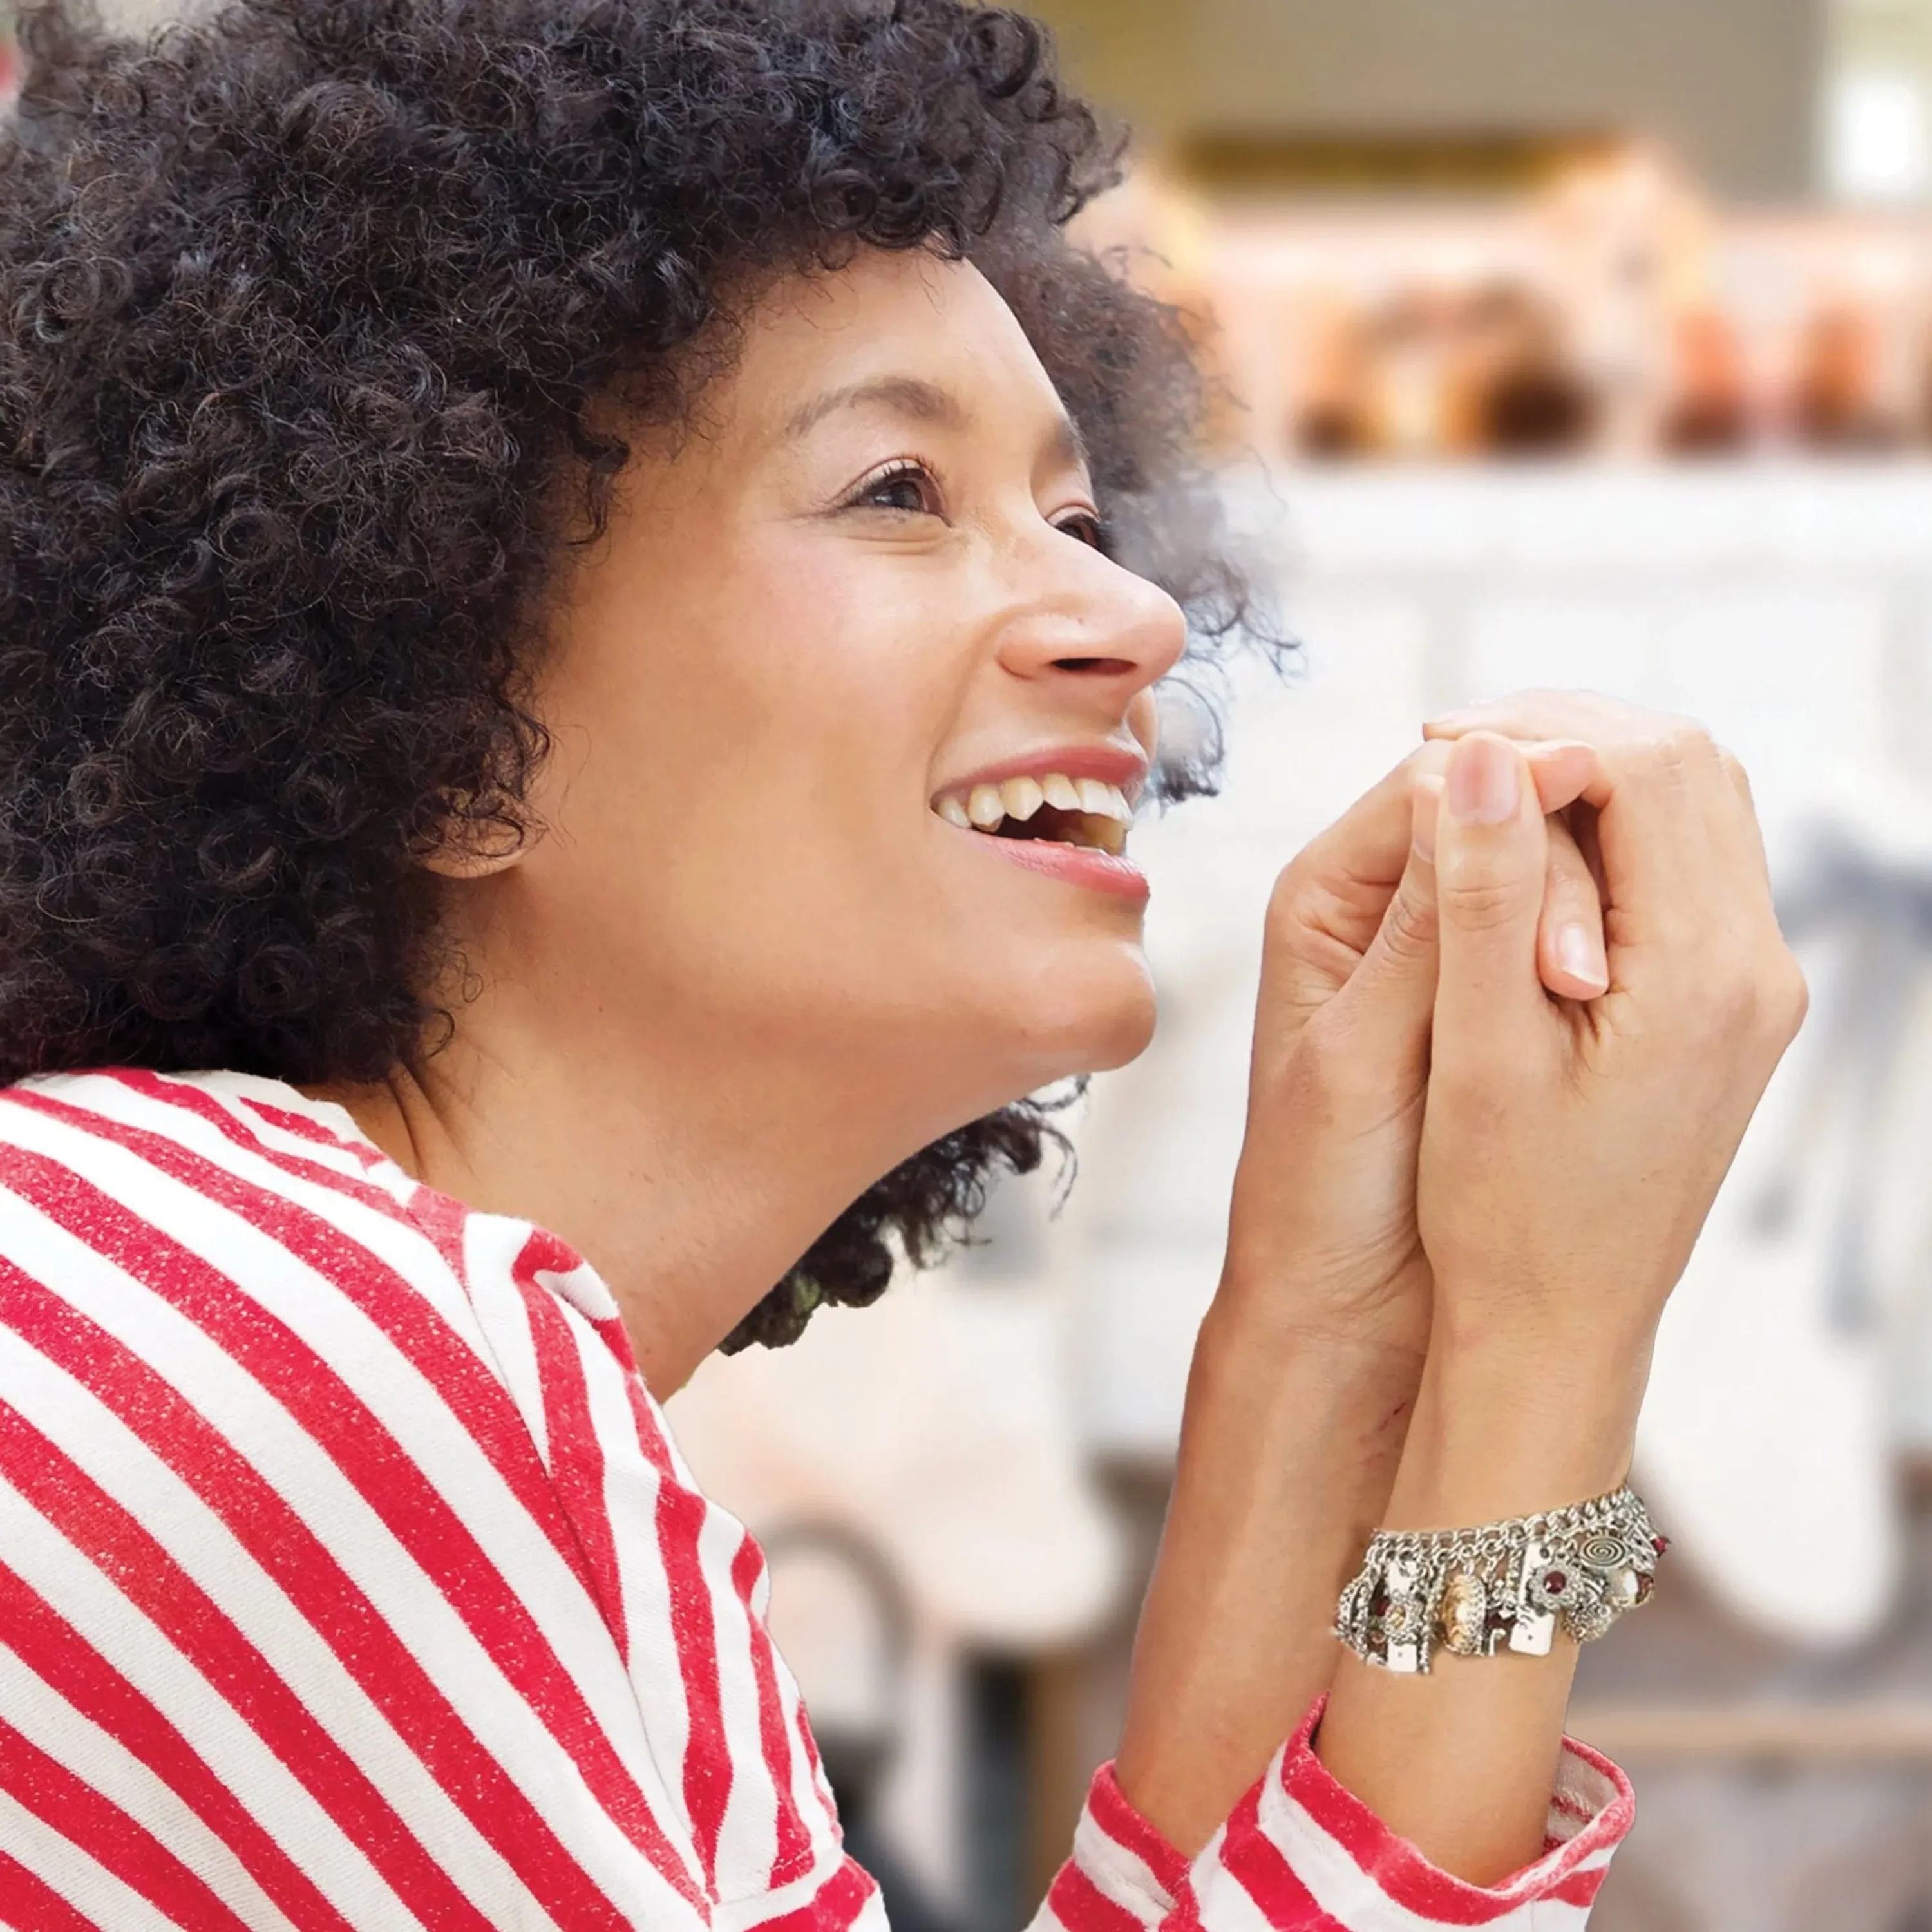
{"x":1462,"y":1760}
{"x":1289,"y":1449}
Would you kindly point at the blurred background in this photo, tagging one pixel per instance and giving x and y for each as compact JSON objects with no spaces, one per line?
{"x":1573,"y":342}
{"x":1585,"y":343}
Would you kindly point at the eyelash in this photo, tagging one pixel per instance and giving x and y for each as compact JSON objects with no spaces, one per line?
{"x":906,"y":469}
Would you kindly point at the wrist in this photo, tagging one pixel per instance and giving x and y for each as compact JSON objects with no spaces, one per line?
{"x":1296,"y":1447}
{"x":1371,"y":1320}
{"x":1312,"y":1380}
{"x":1499,"y":1433}
{"x":1287,"y":1450}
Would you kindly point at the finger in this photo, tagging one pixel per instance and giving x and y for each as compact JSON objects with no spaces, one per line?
{"x":1331,"y":904}
{"x":1668,"y":832}
{"x":1626,"y":738}
{"x":1326,"y":908}
{"x":1394,"y":989}
{"x":1563,"y":769}
{"x":1338,"y":885}
{"x":1491,"y":861}
{"x":1572,"y":956}
{"x":1342,"y":880}
{"x":1585,"y":714}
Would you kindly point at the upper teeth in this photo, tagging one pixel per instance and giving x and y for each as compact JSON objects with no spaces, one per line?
{"x":988,"y":806}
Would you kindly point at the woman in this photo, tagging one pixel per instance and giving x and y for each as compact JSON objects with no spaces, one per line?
{"x":541,"y":538}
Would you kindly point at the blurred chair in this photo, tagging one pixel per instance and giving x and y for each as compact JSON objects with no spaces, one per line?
{"x":842,"y":1619}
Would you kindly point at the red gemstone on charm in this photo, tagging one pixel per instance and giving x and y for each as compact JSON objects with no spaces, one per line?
{"x":1555,"y":1582}
{"x":1660,"y":1544}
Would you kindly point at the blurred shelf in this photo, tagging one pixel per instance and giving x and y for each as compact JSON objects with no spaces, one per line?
{"x":1793,"y":1734}
{"x":1276,"y":163}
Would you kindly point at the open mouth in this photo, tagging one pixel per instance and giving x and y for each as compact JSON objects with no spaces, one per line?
{"x":1051,"y":808}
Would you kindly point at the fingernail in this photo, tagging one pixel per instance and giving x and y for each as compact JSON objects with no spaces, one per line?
{"x":1485,"y":781}
{"x":1428,"y":803}
{"x":1578,"y":953}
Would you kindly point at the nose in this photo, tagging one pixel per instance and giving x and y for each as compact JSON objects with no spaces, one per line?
{"x":1097,"y":630}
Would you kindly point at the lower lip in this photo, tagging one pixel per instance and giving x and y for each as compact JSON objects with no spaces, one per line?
{"x":1076,"y":865}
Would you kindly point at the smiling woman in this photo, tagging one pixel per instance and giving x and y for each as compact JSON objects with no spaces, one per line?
{"x":278,"y":409}
{"x":581,"y":588}
{"x":802,"y":625}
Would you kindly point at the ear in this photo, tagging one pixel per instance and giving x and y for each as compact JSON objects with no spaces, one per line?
{"x":473,"y":849}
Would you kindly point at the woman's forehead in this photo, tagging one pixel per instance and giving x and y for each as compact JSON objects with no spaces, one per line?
{"x":906,"y":329}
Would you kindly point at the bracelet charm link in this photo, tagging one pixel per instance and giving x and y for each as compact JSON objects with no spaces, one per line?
{"x":1504,"y":1586}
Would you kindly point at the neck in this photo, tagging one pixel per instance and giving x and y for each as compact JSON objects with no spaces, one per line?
{"x":692,"y":1175}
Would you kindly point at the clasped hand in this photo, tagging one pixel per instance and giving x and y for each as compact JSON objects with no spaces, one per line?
{"x":1517,"y":1007}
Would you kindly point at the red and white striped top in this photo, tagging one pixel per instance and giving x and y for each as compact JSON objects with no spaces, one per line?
{"x":349,"y":1578}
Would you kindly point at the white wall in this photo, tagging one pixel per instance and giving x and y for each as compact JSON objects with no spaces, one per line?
{"x":1788,"y":607}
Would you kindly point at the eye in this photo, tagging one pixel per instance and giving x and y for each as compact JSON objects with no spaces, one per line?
{"x":905,"y":486}
{"x":1088,"y":527}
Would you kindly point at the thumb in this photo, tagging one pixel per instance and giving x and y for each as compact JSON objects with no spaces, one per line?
{"x":1492,"y":859}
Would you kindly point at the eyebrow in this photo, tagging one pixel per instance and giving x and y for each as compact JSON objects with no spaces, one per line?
{"x":914,"y":396}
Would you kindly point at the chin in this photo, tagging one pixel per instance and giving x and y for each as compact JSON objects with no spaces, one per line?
{"x":1126,"y":1037}
{"x":1103,"y":1021}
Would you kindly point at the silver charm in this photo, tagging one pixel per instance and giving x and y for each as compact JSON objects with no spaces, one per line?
{"x":1465,"y":1614}
{"x":1625,"y":1589}
{"x":1404,"y":1618}
{"x":1603,"y":1551}
{"x":1588,"y":1621}
{"x":1533,"y":1630}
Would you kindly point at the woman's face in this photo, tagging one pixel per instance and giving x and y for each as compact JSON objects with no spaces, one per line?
{"x":860,"y":608}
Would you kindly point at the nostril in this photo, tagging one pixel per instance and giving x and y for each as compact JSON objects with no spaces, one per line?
{"x":1097,"y":666}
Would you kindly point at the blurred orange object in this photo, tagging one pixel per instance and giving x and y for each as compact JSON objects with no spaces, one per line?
{"x":1838,"y":397}
{"x":1710,"y":410}
{"x":1513,"y":390}
{"x":1331,"y":413}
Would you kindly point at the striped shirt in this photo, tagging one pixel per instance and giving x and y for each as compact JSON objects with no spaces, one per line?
{"x":349,"y":1578}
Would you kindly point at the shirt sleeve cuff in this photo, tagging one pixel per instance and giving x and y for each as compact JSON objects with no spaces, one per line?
{"x":1353,"y":1868}
{"x":1122,"y":1871}
{"x":1300,"y":1850}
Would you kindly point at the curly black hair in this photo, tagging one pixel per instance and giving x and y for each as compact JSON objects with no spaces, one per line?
{"x":308,"y":308}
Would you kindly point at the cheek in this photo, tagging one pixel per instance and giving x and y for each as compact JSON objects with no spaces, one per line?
{"x":850,"y":674}
{"x":771,"y":699}
{"x":748,"y":810}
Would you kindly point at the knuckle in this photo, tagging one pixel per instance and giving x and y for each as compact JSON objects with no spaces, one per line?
{"x":1764,"y":997}
{"x":1793,"y":996}
{"x":1684,"y":743}
{"x":1286,"y":899}
{"x":1667,"y":750}
{"x":1570,"y":887}
{"x":1409,"y":925}
{"x":1482,"y":903}
{"x":1733,"y":1006}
